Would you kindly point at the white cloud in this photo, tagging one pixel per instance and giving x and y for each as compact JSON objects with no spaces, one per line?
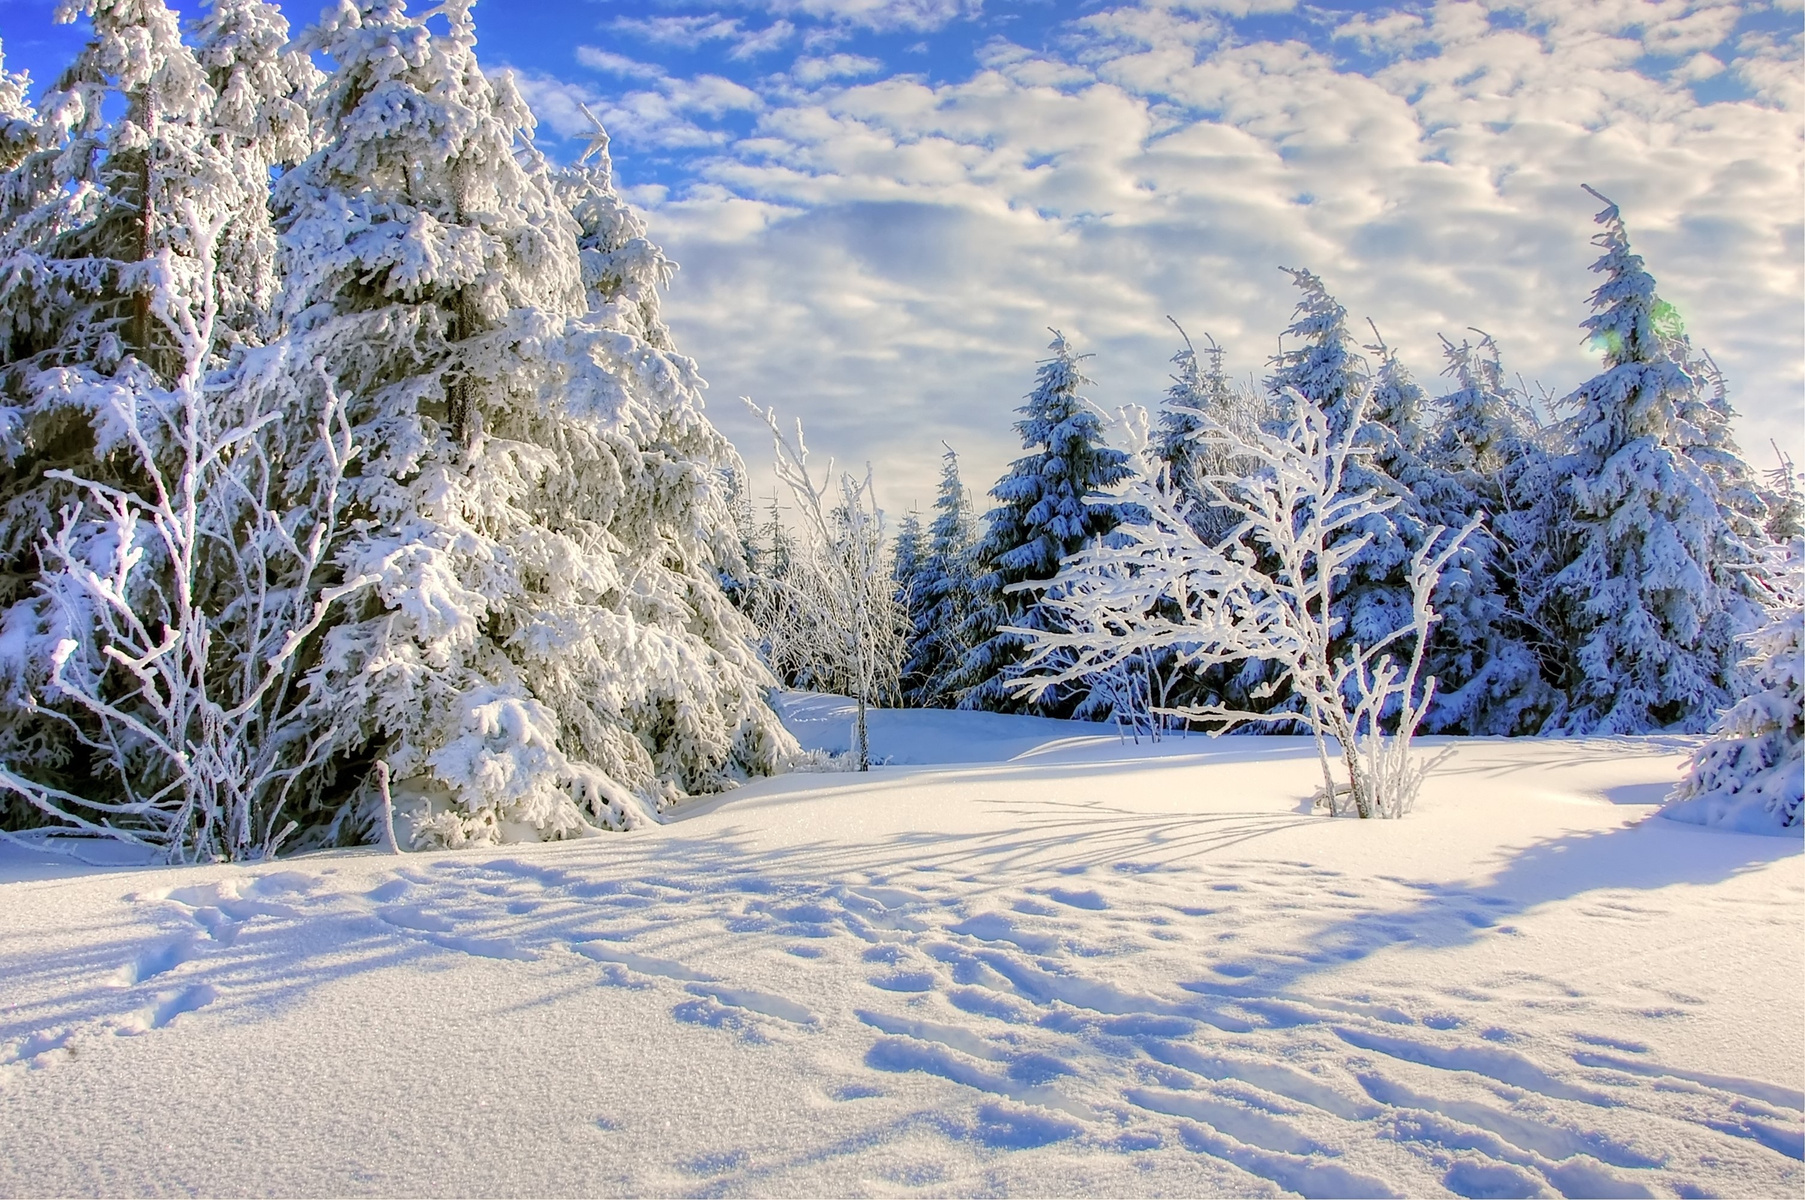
{"x":877,"y":14}
{"x":773,"y":36}
{"x":617,"y":64}
{"x":882,"y":258}
{"x":557,"y":102}
{"x":690,"y":29}
{"x":680,"y":30}
{"x":809,"y":70}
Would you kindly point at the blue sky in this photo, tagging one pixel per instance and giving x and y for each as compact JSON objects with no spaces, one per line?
{"x":880,"y":205}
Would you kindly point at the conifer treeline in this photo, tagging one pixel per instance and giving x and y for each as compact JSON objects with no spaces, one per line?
{"x":1605,"y":592}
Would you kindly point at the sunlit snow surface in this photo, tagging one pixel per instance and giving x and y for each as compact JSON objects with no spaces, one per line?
{"x":1063,"y":964}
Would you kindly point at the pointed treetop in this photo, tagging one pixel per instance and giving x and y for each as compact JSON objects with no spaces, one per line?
{"x":1630,"y":323}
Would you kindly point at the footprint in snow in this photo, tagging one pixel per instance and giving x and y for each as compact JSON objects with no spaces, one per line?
{"x":166,"y":1008}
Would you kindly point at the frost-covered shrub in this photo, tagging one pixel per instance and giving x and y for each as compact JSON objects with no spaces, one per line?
{"x":1156,"y":588}
{"x":834,"y":614}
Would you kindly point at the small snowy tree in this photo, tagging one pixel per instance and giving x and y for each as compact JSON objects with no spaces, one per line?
{"x":941,"y":599}
{"x":1270,"y":595}
{"x":1631,"y":579}
{"x":1751,"y":775}
{"x":1045,"y":511}
{"x":1786,"y":487}
{"x":839,"y":612}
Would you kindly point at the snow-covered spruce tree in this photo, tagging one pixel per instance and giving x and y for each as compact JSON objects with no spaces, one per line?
{"x":1751,"y":775}
{"x":905,"y":565}
{"x":1705,"y":436}
{"x":178,"y":617}
{"x":839,"y":615}
{"x":1488,"y":679}
{"x":1633,"y":580}
{"x":941,"y":598}
{"x":262,"y":120}
{"x":100,"y":272}
{"x":1044,"y":512}
{"x":1157,"y":588}
{"x":1324,"y":365}
{"x":905,"y":556}
{"x":547,"y":650}
{"x":1786,"y":492}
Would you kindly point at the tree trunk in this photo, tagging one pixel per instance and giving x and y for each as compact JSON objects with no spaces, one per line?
{"x":1356,"y":777}
{"x":864,"y":740}
{"x":141,"y":318}
{"x":387,"y":828}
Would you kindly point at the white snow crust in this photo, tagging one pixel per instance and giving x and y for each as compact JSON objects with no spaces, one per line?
{"x":1025,"y":957}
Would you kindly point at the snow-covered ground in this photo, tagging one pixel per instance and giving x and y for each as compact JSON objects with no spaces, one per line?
{"x":1022,"y":958}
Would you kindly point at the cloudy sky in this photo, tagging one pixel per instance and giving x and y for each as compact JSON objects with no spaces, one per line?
{"x":881,"y":205}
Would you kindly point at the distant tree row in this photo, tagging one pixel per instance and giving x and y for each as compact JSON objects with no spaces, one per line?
{"x":1605,"y":590}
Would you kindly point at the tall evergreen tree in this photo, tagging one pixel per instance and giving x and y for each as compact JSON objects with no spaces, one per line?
{"x":941,"y":599}
{"x":1323,"y":365}
{"x":547,"y":648}
{"x":1631,"y":578}
{"x":100,"y":270}
{"x":262,"y":121}
{"x":1488,"y":679}
{"x":1044,"y":512}
{"x":905,"y":558}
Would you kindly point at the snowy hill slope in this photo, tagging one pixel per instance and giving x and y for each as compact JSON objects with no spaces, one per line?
{"x":1052,"y":963}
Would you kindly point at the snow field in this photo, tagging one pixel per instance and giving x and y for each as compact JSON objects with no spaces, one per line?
{"x":1090,"y":967}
